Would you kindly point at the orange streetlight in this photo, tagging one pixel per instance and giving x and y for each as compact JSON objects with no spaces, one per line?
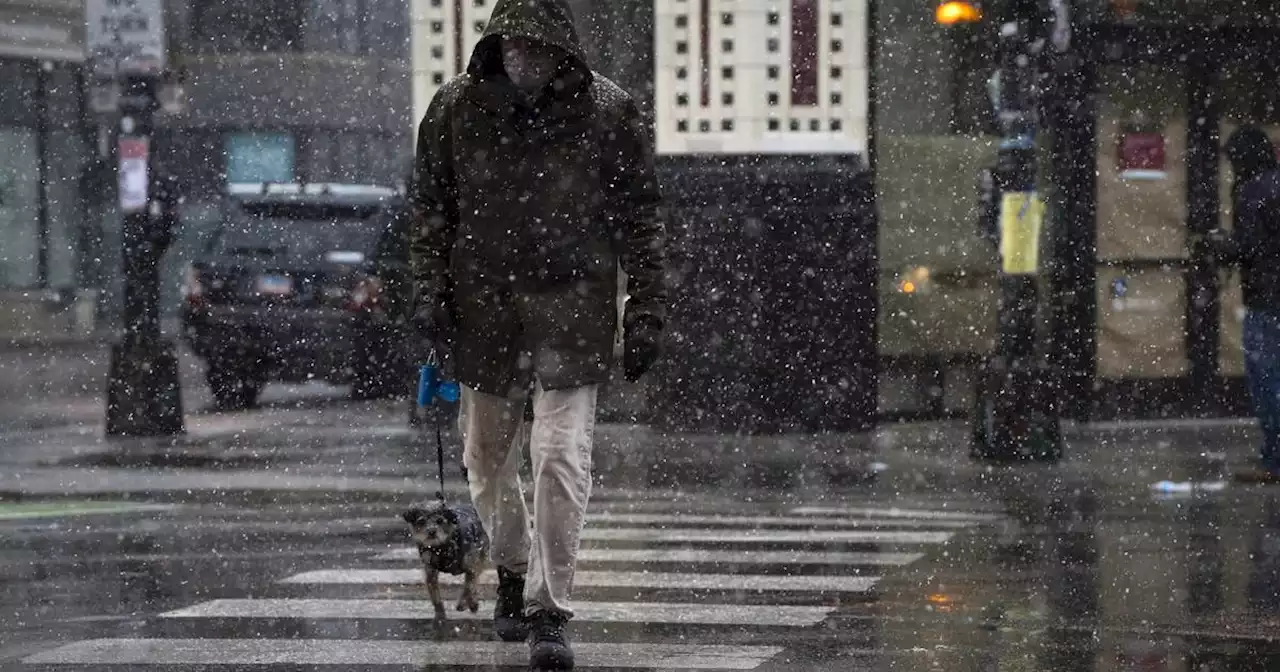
{"x":953,"y":13}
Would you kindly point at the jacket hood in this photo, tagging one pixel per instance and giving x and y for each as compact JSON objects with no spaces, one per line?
{"x":1251,"y":153}
{"x":546,"y":21}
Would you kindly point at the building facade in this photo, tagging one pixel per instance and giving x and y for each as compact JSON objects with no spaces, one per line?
{"x":313,"y":90}
{"x":43,"y":139}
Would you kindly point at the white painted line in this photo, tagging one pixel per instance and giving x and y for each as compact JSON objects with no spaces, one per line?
{"x":258,"y":652}
{"x":894,"y":512}
{"x":744,"y":582}
{"x":712,"y":535}
{"x":699,"y":556}
{"x":421,"y":610}
{"x":781,"y":521}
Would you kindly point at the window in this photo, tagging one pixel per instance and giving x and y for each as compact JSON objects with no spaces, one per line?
{"x":260,"y":157}
{"x":19,"y":208}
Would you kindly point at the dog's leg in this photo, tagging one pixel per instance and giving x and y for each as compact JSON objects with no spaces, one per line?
{"x":468,"y":598}
{"x":433,"y":591}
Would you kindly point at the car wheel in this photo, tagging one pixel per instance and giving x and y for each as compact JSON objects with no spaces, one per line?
{"x":232,"y":389}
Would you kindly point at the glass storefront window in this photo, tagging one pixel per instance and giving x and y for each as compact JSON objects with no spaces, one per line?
{"x":933,"y":137}
{"x":1142,"y":221}
{"x":260,"y":157}
{"x":19,"y":208}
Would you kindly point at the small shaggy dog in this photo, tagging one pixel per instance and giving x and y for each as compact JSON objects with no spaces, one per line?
{"x":452,"y":540}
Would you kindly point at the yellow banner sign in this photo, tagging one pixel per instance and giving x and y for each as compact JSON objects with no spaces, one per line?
{"x":1021,"y":218}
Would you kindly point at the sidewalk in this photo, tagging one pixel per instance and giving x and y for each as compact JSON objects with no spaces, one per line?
{"x":337,"y":446}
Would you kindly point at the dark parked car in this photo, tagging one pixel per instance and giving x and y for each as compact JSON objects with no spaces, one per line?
{"x":303,"y":282}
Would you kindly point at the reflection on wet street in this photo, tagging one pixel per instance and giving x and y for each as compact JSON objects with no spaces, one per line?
{"x":272,"y":542}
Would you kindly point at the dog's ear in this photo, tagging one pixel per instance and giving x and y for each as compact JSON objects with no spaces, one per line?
{"x":415,"y":516}
{"x":450,"y":514}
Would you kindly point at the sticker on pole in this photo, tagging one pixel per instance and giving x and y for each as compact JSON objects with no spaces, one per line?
{"x":133,"y":174}
{"x":1021,"y":218}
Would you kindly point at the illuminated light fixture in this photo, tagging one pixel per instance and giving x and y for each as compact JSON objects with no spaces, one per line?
{"x":908,"y":287}
{"x":954,"y":13}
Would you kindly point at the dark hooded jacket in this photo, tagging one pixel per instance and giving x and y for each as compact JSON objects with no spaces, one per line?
{"x":1255,"y":241}
{"x":525,"y":207}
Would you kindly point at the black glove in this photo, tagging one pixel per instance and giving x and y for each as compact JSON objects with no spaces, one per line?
{"x":641,"y":345}
{"x":435,"y":327}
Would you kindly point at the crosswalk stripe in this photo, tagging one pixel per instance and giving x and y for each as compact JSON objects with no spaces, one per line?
{"x":894,"y":512}
{"x":259,"y":652}
{"x":719,"y":536}
{"x":698,"y":556}
{"x":780,"y":521}
{"x":657,"y":580}
{"x":701,"y":556}
{"x":421,"y":609}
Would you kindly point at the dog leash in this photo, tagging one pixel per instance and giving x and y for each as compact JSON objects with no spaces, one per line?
{"x":433,"y":386}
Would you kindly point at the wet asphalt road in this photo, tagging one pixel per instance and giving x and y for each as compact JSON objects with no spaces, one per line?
{"x":268,"y":540}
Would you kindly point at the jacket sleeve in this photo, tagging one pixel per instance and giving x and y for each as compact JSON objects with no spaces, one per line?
{"x":640,"y":234}
{"x":434,"y":205}
{"x":1250,"y":224}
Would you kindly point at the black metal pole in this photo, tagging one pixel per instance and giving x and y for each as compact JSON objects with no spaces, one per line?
{"x":144,"y":395}
{"x":42,"y":154}
{"x":1016,"y":419}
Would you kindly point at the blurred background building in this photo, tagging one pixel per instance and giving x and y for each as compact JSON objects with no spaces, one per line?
{"x":332,"y":90}
{"x":279,"y":90}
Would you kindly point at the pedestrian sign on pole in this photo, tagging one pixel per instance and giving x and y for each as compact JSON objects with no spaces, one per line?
{"x":125,"y":37}
{"x":1021,"y":218}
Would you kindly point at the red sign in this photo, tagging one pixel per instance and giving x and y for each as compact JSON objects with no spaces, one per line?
{"x":1141,"y":155}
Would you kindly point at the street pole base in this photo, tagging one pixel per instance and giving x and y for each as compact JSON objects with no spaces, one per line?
{"x":1015,"y":419}
{"x":144,"y":393}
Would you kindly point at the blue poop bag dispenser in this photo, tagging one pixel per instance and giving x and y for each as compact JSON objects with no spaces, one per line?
{"x":432,"y":385}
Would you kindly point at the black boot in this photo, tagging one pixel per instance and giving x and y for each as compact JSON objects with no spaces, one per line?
{"x":508,"y":610}
{"x":548,"y":647}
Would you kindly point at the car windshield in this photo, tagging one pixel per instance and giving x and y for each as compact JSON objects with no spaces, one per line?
{"x":300,"y":232}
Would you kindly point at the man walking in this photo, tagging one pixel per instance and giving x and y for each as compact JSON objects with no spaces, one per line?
{"x":534,"y":181}
{"x":1255,"y":246}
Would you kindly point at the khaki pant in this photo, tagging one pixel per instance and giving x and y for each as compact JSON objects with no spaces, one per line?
{"x":493,"y":434}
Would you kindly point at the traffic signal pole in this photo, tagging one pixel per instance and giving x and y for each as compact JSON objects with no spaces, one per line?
{"x":1016,"y":417}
